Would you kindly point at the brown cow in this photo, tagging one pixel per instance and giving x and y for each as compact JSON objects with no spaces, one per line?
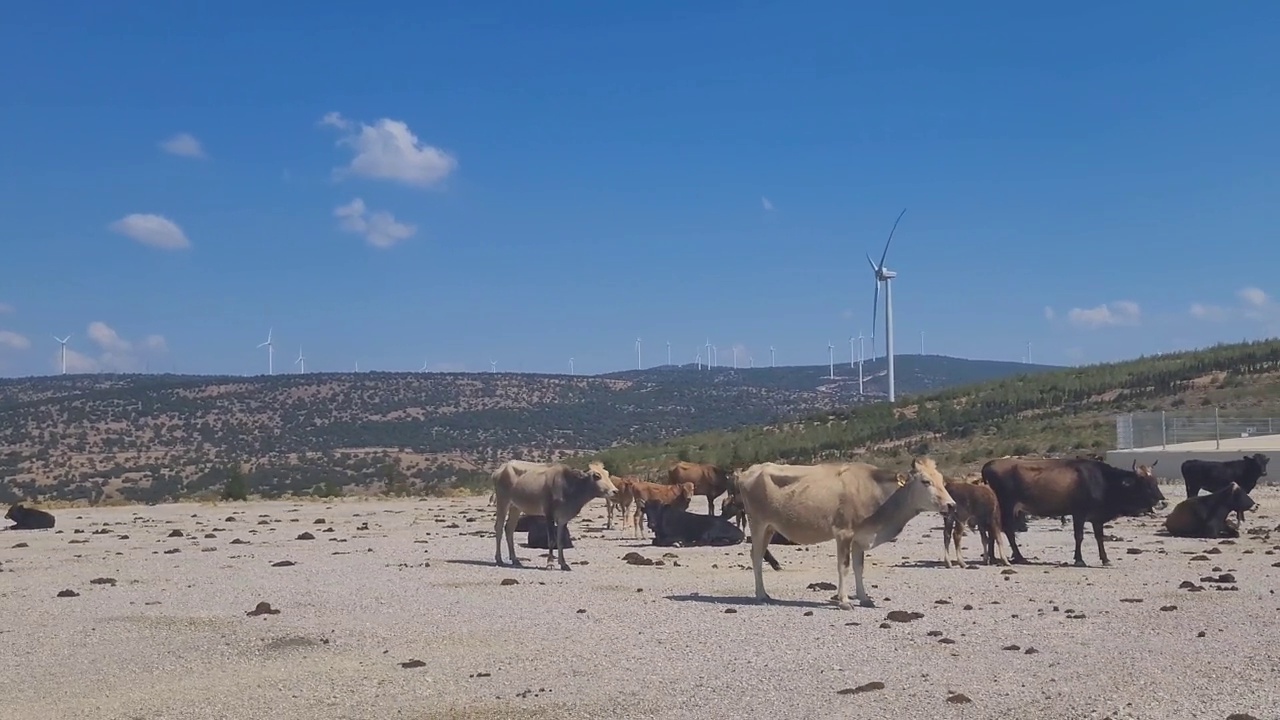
{"x":976,"y":505}
{"x":709,"y":480}
{"x":1205,"y":516}
{"x":645,"y":492}
{"x":1087,"y":490}
{"x":620,"y":502}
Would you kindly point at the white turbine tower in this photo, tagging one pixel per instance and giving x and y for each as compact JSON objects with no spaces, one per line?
{"x":697,"y":358}
{"x":493,"y":365}
{"x":831,"y":359}
{"x":715,"y":356}
{"x":922,"y":343}
{"x":860,"y":354}
{"x":271,"y":353}
{"x":708,"y":348}
{"x":772,"y":357}
{"x":424,"y":366}
{"x":637,"y":353}
{"x":668,"y":352}
{"x":735,"y":357}
{"x":884,"y":275}
{"x":63,"y":343}
{"x":852,"y":357}
{"x":570,"y":366}
{"x":301,"y":362}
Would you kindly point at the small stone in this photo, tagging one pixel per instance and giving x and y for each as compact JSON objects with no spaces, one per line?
{"x":175,"y":533}
{"x":1168,"y":608}
{"x":581,"y":610}
{"x":959,"y":699}
{"x":320,"y":521}
{"x":68,"y":593}
{"x":1133,"y":551}
{"x":903,"y":616}
{"x":283,"y":563}
{"x":509,"y":581}
{"x":947,"y":641}
{"x":968,"y":607}
{"x":1011,"y":647}
{"x":1030,"y":651}
{"x":412,"y":664}
{"x":730,"y":611}
{"x":1130,"y":600}
{"x":808,"y":613}
{"x":103,"y":581}
{"x":1201,"y":634}
{"x":821,"y":586}
{"x":263,"y":608}
{"x":306,"y":536}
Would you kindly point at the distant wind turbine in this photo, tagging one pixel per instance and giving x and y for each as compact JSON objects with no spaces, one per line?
{"x":772,"y":359}
{"x":860,"y":356}
{"x":63,"y":343}
{"x":493,"y":366}
{"x":735,"y":357}
{"x":271,"y":353}
{"x":301,"y":362}
{"x":922,"y":342}
{"x":570,"y":366}
{"x":883,"y":276}
{"x":637,"y":353}
{"x":424,"y":366}
{"x":708,"y":348}
{"x":715,"y":356}
{"x":668,"y":352}
{"x":698,"y":359}
{"x":831,"y":359}
{"x":357,"y":366}
{"x":1028,"y":353}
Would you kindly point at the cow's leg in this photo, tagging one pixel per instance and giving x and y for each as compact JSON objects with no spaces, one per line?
{"x":499,"y":525}
{"x":997,"y":542}
{"x":760,"y":534}
{"x":1097,"y":534}
{"x":843,"y":546}
{"x":956,"y":533}
{"x":859,"y":562}
{"x":608,"y":514}
{"x":948,"y":524}
{"x":561,"y":530}
{"x":773,"y":562}
{"x":513,"y":519}
{"x":1192,"y":487}
{"x":1077,"y":525}
{"x":1007,"y":525}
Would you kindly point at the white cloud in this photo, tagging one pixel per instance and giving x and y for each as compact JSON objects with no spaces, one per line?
{"x":379,"y":228}
{"x":1253,"y":297}
{"x":1255,"y":304}
{"x":766,"y":204}
{"x":1049,"y":314}
{"x":7,"y":309}
{"x":112,"y":353}
{"x":388,"y":150}
{"x":183,"y":145}
{"x":1212,"y":313}
{"x":154,"y":230}
{"x":13,"y":340}
{"x":1119,"y":313}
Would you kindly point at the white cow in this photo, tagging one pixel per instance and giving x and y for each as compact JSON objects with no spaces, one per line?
{"x":858,"y":505}
{"x":557,"y":492}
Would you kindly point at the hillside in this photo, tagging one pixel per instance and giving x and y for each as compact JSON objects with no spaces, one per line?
{"x":1070,"y":410}
{"x":152,"y":437}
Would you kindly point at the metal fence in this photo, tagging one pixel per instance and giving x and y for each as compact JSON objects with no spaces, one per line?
{"x":1161,"y":429}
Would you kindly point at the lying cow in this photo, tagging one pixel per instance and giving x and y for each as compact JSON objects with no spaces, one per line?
{"x":26,"y":518}
{"x":858,"y":505}
{"x":1087,"y":490}
{"x":557,"y":492}
{"x":1205,"y":516}
{"x":537,"y":532}
{"x":1214,"y":475}
{"x":975,"y":505}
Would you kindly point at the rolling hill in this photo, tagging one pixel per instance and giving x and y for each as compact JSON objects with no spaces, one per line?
{"x":155,"y":437}
{"x":1067,"y":411}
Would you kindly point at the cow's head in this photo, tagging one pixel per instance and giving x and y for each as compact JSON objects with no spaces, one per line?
{"x":732,"y":506}
{"x":1239,"y":500}
{"x":599,"y":478}
{"x":1139,"y":492}
{"x":927,"y":486}
{"x":1261,"y":461}
{"x":15,"y":511}
{"x":684,"y":494}
{"x":1145,"y":470}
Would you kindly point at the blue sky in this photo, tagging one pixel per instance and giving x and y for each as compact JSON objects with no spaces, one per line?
{"x":535,"y":181}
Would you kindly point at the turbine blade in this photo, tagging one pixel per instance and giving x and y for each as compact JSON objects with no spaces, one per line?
{"x":886,"y":243}
{"x":872,"y":263}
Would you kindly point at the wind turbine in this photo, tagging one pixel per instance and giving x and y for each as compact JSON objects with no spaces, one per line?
{"x":493,"y":365}
{"x":715,"y":356}
{"x":63,"y":343}
{"x":271,"y":353}
{"x":698,"y":358}
{"x":851,"y":355}
{"x":860,"y":362}
{"x":922,"y":343}
{"x":831,"y":359}
{"x":301,"y":362}
{"x":424,"y":366}
{"x":668,"y":352}
{"x":884,"y":275}
{"x":735,"y":357}
{"x":708,"y":347}
{"x":1028,"y":352}
{"x":637,"y":353}
{"x":570,"y":366}
{"x":772,"y":358}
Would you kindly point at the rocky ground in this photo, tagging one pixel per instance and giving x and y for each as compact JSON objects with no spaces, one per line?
{"x":394,"y":609}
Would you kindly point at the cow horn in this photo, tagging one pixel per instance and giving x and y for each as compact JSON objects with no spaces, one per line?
{"x":1135,"y":464}
{"x":902,"y":480}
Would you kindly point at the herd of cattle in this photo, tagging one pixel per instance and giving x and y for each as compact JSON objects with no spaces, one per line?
{"x":860,"y":505}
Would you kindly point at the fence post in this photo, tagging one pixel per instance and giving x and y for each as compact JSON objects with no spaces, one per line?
{"x":1217,"y":429}
{"x":1164,"y":444}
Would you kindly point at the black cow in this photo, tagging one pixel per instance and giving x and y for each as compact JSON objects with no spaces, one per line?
{"x":1205,"y":516}
{"x":1214,"y":475}
{"x":26,"y":518}
{"x":1087,"y":490}
{"x":673,"y":526}
{"x":539,"y":533}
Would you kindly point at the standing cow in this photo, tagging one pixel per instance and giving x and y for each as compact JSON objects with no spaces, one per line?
{"x":1087,"y":490}
{"x":1214,"y":475}
{"x":709,"y":480}
{"x":557,"y":492}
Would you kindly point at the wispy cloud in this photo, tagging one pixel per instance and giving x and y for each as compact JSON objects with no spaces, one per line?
{"x":7,"y":309}
{"x":1253,"y":304}
{"x":183,"y":145}
{"x":388,"y":150}
{"x":13,"y":340}
{"x":767,"y":204}
{"x":1049,"y":314}
{"x":111,"y":352}
{"x":379,"y":228}
{"x":1118,"y":313}
{"x":155,"y":231}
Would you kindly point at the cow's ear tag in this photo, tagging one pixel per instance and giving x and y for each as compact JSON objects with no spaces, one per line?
{"x":902,"y":480}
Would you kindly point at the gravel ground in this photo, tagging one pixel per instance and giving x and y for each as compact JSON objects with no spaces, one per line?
{"x":385,"y":582}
